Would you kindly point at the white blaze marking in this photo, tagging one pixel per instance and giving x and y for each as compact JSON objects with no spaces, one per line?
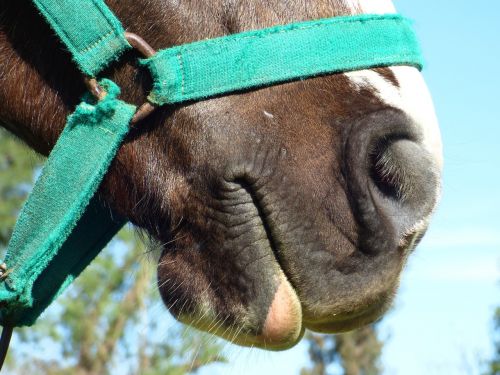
{"x":411,"y":97}
{"x":371,"y":6}
{"x":377,"y":6}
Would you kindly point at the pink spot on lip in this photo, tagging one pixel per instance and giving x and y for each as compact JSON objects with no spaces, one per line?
{"x":283,"y":325}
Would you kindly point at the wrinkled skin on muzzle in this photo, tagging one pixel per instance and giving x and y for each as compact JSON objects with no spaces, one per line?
{"x":297,"y":210}
{"x":279,"y":209}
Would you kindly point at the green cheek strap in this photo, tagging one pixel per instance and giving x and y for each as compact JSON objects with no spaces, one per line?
{"x":63,"y":225}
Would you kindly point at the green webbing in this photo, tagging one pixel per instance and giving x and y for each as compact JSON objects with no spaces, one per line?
{"x":283,"y":53}
{"x":58,"y":233}
{"x":90,"y":31}
{"x":29,"y":298}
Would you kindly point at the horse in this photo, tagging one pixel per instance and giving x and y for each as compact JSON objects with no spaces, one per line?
{"x":278,"y":209}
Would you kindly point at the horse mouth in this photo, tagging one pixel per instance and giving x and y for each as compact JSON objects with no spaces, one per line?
{"x":282,"y":323}
{"x":287,"y":316}
{"x":247,"y":282}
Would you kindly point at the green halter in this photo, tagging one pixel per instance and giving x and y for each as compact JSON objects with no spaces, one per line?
{"x":63,"y":225}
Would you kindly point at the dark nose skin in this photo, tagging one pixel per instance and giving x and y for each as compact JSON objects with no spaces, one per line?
{"x":393,"y":180}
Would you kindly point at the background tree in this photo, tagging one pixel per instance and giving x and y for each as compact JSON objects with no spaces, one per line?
{"x":17,"y":164}
{"x":106,"y":320}
{"x":355,"y":353}
{"x":494,"y":365}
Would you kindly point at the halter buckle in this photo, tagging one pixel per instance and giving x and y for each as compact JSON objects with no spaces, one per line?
{"x":4,"y":271}
{"x":141,"y":46}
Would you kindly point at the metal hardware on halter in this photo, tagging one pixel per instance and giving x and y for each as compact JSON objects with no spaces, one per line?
{"x":141,"y":46}
{"x":4,"y":271}
{"x":94,"y":88}
{"x":6,"y":331}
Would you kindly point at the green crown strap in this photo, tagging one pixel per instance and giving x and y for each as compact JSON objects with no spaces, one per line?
{"x":88,"y":28}
{"x":278,"y":54}
{"x":58,"y":233}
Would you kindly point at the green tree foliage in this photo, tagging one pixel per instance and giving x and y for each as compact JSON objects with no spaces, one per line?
{"x":356,"y":353}
{"x":494,"y":364}
{"x":17,"y":164}
{"x":107,"y":320}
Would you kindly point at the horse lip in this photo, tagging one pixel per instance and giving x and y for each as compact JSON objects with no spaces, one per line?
{"x":330,"y":323}
{"x":348,"y":321}
{"x":267,"y":224}
{"x":290,"y":333}
{"x":277,"y":249}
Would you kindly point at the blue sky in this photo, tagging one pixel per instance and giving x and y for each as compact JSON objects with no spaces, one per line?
{"x":442,"y":318}
{"x":441,"y":323}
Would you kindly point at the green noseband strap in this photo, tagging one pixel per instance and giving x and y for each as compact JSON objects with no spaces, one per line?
{"x":279,"y":54}
{"x":63,"y":226}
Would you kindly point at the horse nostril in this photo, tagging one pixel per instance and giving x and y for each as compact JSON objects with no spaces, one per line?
{"x":392,"y":178}
{"x":405,"y":172}
{"x":392,"y":167}
{"x":403,"y":181}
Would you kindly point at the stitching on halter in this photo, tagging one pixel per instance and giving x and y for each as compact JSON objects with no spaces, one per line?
{"x":96,"y":43}
{"x":183,"y":75}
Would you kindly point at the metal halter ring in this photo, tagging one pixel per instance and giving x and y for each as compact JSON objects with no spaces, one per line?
{"x":99,"y":93}
{"x":4,"y":271}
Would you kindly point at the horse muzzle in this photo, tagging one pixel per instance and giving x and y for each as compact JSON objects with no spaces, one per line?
{"x":270,"y":256}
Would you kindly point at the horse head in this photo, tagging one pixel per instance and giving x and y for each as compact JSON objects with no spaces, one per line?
{"x":278,"y":209}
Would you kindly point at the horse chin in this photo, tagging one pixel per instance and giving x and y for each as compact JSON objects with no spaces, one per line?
{"x":282,"y":327}
{"x":344,"y":322}
{"x":272,"y":324}
{"x":236,"y":290}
